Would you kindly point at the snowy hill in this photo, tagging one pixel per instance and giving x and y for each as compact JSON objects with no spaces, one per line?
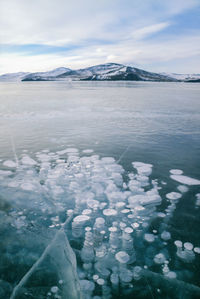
{"x":45,"y":76}
{"x":184,"y":77}
{"x":13,"y":76}
{"x":102,"y":72}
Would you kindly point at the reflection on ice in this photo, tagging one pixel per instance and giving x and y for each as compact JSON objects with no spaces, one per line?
{"x":116,"y":228}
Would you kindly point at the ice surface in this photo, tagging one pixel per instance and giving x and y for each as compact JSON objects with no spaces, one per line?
{"x":185,"y":180}
{"x":111,"y":219}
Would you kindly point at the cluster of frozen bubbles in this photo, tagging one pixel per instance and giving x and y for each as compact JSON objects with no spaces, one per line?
{"x":111,"y":217}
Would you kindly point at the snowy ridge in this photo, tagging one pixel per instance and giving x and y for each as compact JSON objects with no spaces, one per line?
{"x":13,"y":77}
{"x":183,"y":77}
{"x":102,"y":72}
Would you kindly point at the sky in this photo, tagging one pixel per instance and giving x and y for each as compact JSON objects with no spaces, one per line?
{"x":155,"y":35}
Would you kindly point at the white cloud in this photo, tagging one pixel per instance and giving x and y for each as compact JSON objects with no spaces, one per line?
{"x":148,"y":30}
{"x":125,"y":52}
{"x":106,"y":30}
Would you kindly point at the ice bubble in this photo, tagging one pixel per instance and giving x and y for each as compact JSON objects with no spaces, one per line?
{"x":70,"y":212}
{"x":102,"y":232}
{"x":178,"y":244}
{"x":87,"y":285}
{"x":131,"y":216}
{"x":122,"y":225}
{"x":188,"y":245}
{"x":100,"y":221}
{"x":87,"y":212}
{"x":112,"y":229}
{"x":114,"y":278}
{"x":88,"y":229}
{"x":108,"y":160}
{"x":71,"y":150}
{"x":62,"y":152}
{"x":171,"y":275}
{"x":5,"y":172}
{"x":197,"y":250}
{"x":26,"y":160}
{"x":95,"y":277}
{"x":126,"y":276}
{"x":176,"y":171}
{"x":54,"y":289}
{"x":122,"y":257}
{"x":81,"y":218}
{"x":43,"y":157}
{"x":27,"y":186}
{"x":135,"y":225}
{"x":92,"y":203}
{"x":88,"y":151}
{"x":139,"y":209}
{"x":151,"y":199}
{"x":143,"y":168}
{"x":133,"y":200}
{"x":120,"y":204}
{"x":128,"y":230}
{"x":185,"y":180}
{"x":149,"y":238}
{"x":125,"y":211}
{"x":182,"y":188}
{"x":109,"y":212}
{"x":100,"y":281}
{"x":9,"y":163}
{"x":173,"y":195}
{"x":72,"y":159}
{"x":13,"y":184}
{"x":137,"y":272}
{"x":198,"y":195}
{"x":161,"y":215}
{"x":159,"y":258}
{"x":166,"y":236}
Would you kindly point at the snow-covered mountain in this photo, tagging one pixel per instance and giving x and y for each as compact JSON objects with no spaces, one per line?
{"x":102,"y":72}
{"x":13,"y":76}
{"x":184,"y":77}
{"x":45,"y":76}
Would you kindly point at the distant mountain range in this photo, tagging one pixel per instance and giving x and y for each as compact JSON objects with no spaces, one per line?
{"x":102,"y":72}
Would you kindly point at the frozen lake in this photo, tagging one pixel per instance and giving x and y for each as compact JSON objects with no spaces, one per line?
{"x":67,"y":150}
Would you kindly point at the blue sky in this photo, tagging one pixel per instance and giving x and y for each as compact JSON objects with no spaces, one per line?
{"x":156,"y":35}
